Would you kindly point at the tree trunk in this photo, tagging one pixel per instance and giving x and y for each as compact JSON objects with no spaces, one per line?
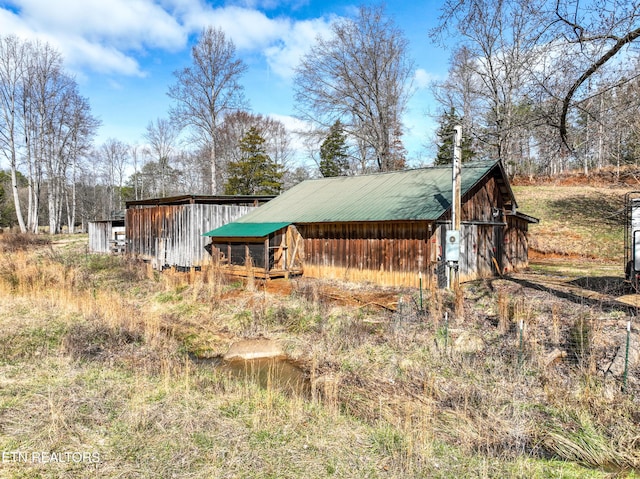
{"x":16,"y":198}
{"x":214,"y":185}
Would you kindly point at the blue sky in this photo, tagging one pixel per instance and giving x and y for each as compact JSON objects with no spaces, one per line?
{"x":123,"y":52}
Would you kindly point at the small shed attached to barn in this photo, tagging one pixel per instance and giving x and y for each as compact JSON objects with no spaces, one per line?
{"x":386,"y":228}
{"x":168,"y":231}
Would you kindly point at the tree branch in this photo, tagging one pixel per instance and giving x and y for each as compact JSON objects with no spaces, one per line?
{"x":625,"y":40}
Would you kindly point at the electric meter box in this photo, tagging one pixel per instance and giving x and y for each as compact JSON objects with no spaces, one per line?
{"x":452,"y":247}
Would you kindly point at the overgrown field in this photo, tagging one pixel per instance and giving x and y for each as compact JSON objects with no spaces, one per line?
{"x":100,"y":375}
{"x":577,"y":220}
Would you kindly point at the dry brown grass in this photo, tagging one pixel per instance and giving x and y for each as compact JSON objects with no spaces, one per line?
{"x":96,"y":356}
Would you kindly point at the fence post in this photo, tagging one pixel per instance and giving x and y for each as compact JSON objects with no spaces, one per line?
{"x":626,"y":359}
{"x":420,"y":281}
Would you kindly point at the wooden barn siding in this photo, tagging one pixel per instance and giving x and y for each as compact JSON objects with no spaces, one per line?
{"x":479,"y":245}
{"x":171,"y":235}
{"x":393,"y":253}
{"x":508,"y":244}
{"x":99,"y":236}
{"x":478,"y":203}
{"x":516,"y":245}
{"x":390,"y":253}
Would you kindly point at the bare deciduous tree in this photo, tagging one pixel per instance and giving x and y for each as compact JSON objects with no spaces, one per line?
{"x":161,"y":136}
{"x":538,"y":64}
{"x":13,"y":55}
{"x":360,"y":76}
{"x":45,"y":126}
{"x":491,"y":70}
{"x":207,"y":90}
{"x":602,"y":30}
{"x":114,"y":158}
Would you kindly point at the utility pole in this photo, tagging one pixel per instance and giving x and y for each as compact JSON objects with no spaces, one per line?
{"x":457,"y":161}
{"x":452,"y":251}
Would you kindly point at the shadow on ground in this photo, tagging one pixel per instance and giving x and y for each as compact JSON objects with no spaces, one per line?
{"x":580,"y":291}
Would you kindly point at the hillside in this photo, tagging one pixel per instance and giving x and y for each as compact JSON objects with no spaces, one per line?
{"x":121,"y":367}
{"x":576,"y":220}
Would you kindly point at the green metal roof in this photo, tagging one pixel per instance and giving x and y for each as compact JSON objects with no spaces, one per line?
{"x":420,"y":194}
{"x":246,"y":230}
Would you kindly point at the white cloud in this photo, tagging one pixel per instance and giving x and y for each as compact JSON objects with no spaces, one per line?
{"x":284,"y":56}
{"x":422,"y":78}
{"x":281,"y":40}
{"x":124,"y":23}
{"x":100,"y":58}
{"x":109,"y":36}
{"x":12,"y":24}
{"x":248,"y":29}
{"x":96,"y":34}
{"x":291,"y":123}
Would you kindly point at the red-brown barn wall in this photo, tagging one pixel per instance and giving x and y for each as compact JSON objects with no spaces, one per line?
{"x":388,"y":253}
{"x":395,"y":253}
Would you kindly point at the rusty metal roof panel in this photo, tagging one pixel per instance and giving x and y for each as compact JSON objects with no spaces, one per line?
{"x":420,"y":194}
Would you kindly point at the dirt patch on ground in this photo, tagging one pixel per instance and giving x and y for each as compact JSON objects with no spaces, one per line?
{"x":564,"y":281}
{"x":279,"y":286}
{"x":535,"y":255}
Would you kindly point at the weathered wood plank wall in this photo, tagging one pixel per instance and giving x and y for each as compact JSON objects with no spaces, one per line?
{"x":99,"y":236}
{"x":171,"y":235}
{"x":395,"y":253}
{"x":516,"y":244}
{"x":391,"y":253}
{"x":479,"y":202}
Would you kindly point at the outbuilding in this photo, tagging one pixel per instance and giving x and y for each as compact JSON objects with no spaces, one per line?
{"x":167,"y":232}
{"x":387,"y":228}
{"x":107,"y":236}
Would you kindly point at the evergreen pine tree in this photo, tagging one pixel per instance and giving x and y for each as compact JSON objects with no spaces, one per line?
{"x":448,"y":121}
{"x":333,"y":152}
{"x":255,"y":173}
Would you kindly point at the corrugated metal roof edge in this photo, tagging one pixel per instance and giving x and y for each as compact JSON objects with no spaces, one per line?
{"x":263,"y":228}
{"x":204,"y":199}
{"x":489,"y":165}
{"x":471,"y":164}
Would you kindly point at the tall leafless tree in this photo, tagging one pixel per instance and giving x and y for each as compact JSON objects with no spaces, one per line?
{"x":13,"y":58}
{"x":360,"y":75}
{"x":161,"y":137}
{"x":491,"y":69}
{"x":62,"y":130}
{"x":114,"y":158}
{"x":45,"y":126}
{"x":81,"y":130}
{"x":602,"y":30}
{"x":543,"y":66}
{"x":206,"y":90}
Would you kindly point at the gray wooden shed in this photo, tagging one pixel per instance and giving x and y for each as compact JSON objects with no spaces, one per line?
{"x":167,"y":232}
{"x":107,"y":236}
